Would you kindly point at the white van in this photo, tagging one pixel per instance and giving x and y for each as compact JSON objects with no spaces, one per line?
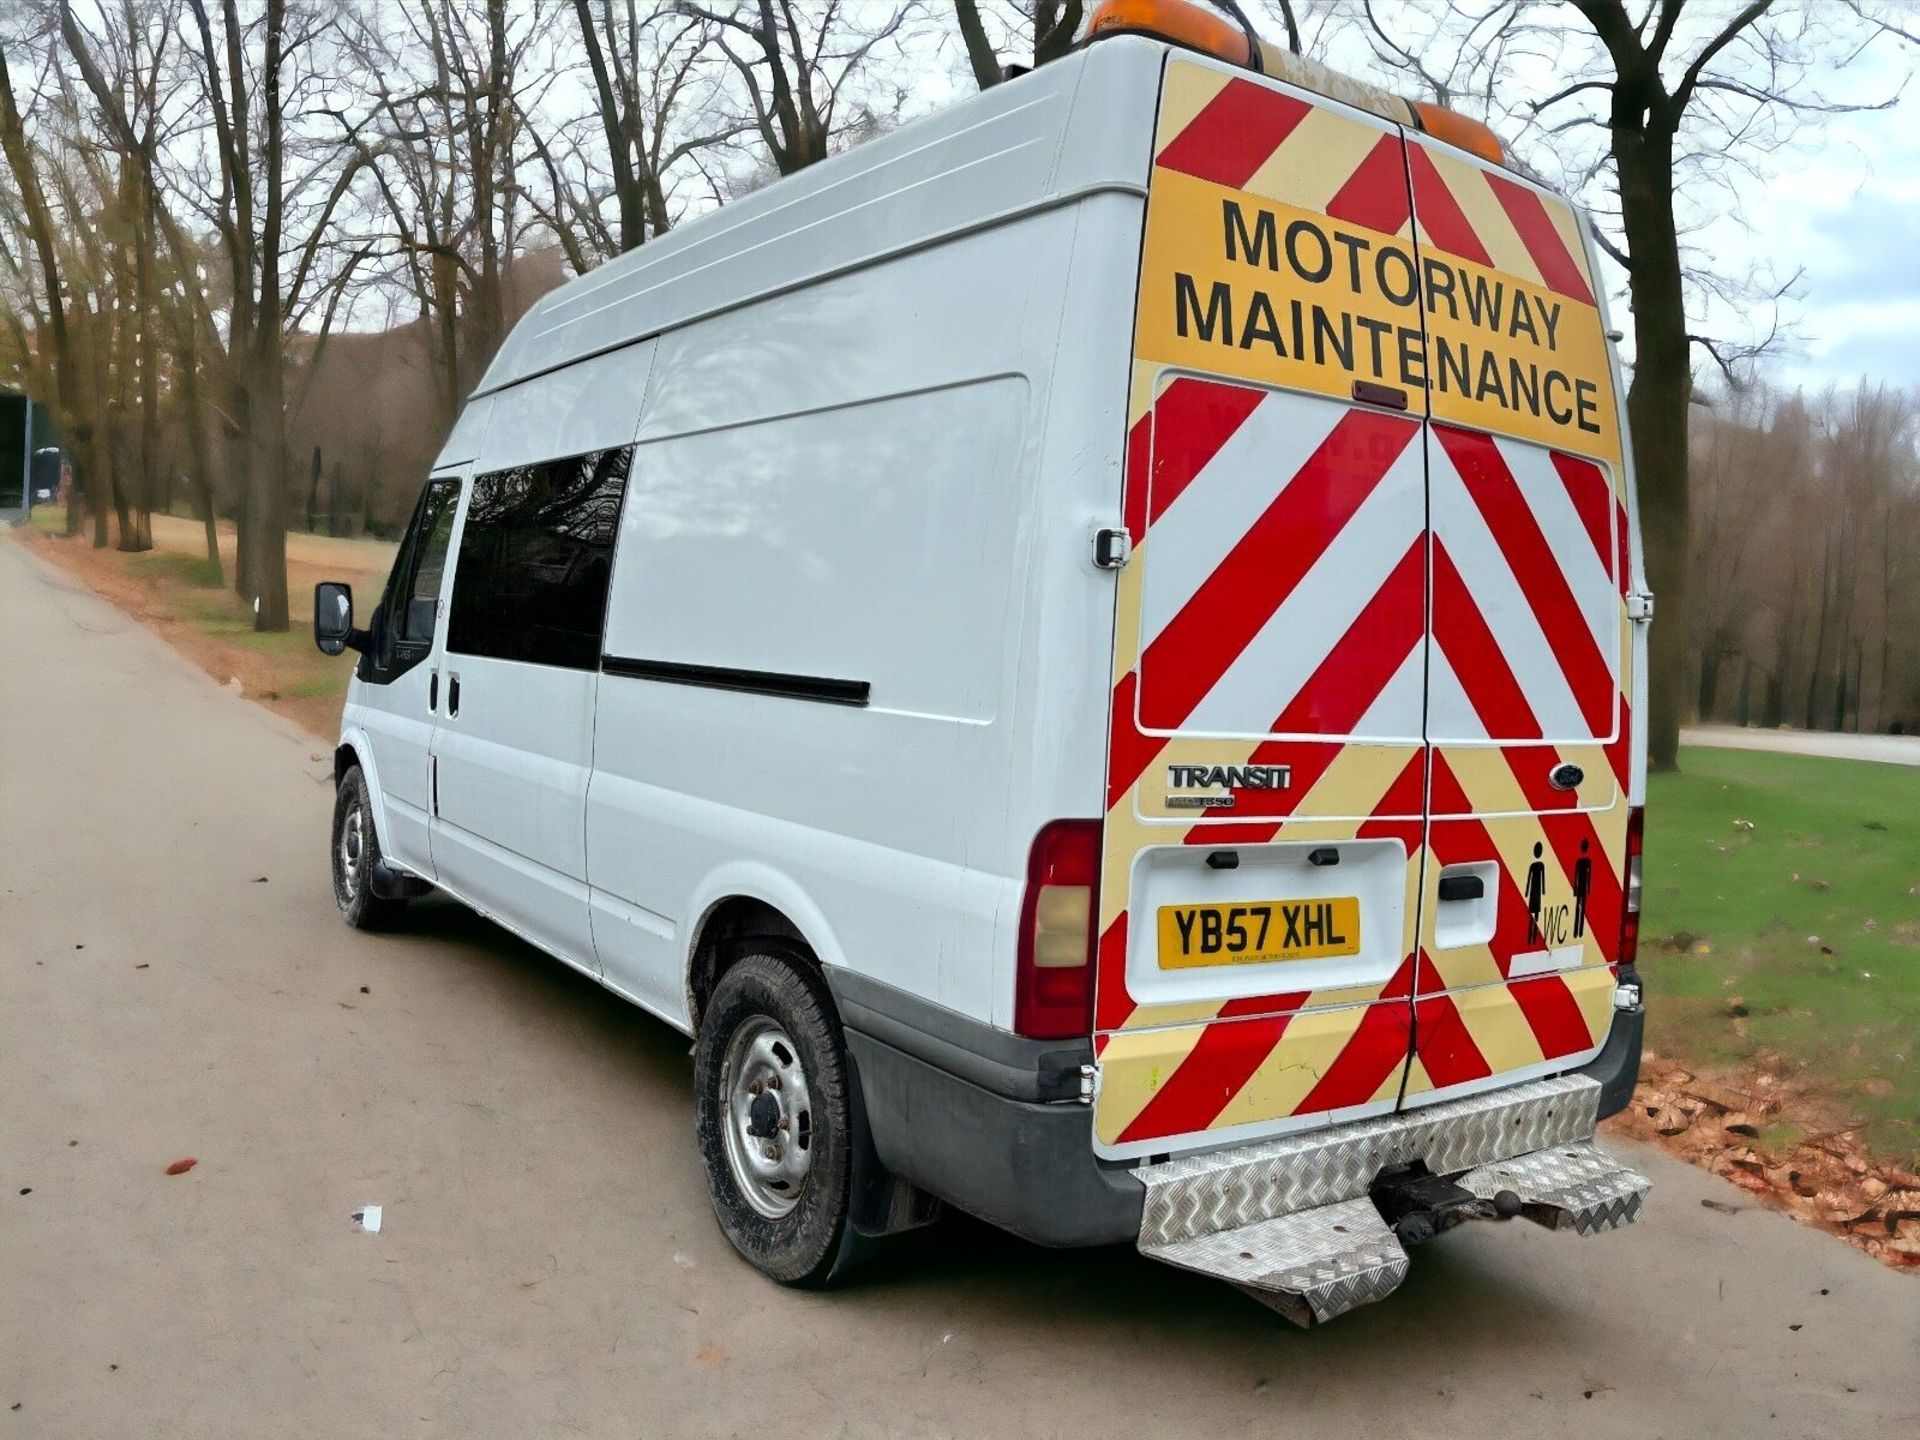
{"x":1087,"y":650}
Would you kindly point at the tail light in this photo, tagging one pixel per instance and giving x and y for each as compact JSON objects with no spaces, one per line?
{"x":1053,"y":980}
{"x":1630,"y":890}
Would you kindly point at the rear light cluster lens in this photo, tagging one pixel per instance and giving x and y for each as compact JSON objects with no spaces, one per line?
{"x":1630,"y":907}
{"x":1053,"y":981}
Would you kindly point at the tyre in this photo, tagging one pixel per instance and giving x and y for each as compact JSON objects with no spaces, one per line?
{"x":356,"y":850}
{"x":775,"y":1118}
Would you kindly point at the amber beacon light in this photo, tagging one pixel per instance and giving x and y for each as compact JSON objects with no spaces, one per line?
{"x":1211,"y":32}
{"x":1175,"y":20}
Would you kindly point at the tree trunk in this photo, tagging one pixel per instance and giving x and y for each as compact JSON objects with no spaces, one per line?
{"x":1657,"y":403}
{"x":1819,"y":636}
{"x":980,"y":56}
{"x":313,"y":493}
{"x":267,"y":495}
{"x":1709,"y":676}
{"x":337,"y":499}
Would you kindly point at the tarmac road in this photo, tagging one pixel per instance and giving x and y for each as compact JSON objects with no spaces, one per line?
{"x":174,"y":982}
{"x":1886,"y":749}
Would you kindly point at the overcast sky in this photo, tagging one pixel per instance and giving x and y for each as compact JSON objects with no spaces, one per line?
{"x":1841,"y":204}
{"x":1850,"y":212}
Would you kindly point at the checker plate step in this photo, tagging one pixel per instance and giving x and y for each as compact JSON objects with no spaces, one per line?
{"x":1577,"y":1187}
{"x":1311,"y":1265}
{"x":1317,"y":1262}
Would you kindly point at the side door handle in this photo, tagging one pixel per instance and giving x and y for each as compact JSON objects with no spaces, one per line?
{"x":433,"y":690}
{"x":453,"y":694}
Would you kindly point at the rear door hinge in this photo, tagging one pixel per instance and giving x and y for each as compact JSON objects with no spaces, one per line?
{"x":1639,"y":605}
{"x":1089,"y":1083}
{"x":1112,"y":548}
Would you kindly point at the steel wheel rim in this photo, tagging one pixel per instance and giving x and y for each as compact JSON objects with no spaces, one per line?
{"x":766,"y":1116}
{"x":353,"y":850}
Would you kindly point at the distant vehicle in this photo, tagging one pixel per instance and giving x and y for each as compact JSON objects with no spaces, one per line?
{"x":1088,"y":651}
{"x":44,"y":471}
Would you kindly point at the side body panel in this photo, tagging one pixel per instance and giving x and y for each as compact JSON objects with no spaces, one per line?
{"x":891,"y":478}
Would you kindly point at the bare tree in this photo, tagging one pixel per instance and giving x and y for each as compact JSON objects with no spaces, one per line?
{"x":248,"y":71}
{"x":1040,"y":29}
{"x":653,"y":73}
{"x":802,"y":68}
{"x":1672,"y":91}
{"x":442,"y":143}
{"x":60,"y":218}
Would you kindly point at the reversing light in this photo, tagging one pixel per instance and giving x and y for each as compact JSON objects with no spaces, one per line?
{"x":1053,"y":977}
{"x":1176,"y":20}
{"x":1630,"y":890}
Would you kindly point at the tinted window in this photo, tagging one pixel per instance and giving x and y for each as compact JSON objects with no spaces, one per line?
{"x":535,"y":557}
{"x":417,"y":615}
{"x":403,"y":624}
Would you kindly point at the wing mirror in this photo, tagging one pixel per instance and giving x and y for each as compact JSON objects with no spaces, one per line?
{"x":333,"y":628}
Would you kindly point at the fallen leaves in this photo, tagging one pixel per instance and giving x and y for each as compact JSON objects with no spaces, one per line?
{"x":180,"y":1167}
{"x":1827,"y":1179}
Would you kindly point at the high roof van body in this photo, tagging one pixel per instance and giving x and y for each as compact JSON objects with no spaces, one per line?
{"x":1091,"y":651}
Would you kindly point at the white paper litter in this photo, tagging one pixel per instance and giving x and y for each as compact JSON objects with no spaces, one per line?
{"x":368,"y":1219}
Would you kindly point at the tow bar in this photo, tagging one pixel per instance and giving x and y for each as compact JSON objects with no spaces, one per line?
{"x":1418,"y":1205}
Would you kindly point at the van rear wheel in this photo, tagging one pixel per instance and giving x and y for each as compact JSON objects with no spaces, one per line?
{"x":356,"y":851}
{"x":774,"y":1118}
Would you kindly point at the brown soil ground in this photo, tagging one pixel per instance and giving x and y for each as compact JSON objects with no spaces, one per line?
{"x":1793,"y":1147}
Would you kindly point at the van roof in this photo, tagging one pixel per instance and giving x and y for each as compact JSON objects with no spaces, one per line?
{"x":1080,"y":125}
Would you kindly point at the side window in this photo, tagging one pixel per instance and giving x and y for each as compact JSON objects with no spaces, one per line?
{"x":417,"y":614}
{"x":403,"y":625}
{"x":535,"y":559}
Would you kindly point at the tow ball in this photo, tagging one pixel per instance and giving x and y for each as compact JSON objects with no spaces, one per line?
{"x":1418,"y":1205}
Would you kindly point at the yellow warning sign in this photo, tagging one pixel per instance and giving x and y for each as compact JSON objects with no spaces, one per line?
{"x":1238,"y":285}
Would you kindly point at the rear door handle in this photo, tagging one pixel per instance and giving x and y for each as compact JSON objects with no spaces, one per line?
{"x":1461,"y":887}
{"x":453,"y":694}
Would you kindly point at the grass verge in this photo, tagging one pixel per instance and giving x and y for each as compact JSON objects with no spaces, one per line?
{"x":1782,"y":926}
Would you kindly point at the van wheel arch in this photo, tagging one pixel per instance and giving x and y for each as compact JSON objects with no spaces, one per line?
{"x":726,"y":933}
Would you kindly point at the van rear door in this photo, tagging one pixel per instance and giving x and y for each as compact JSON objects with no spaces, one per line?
{"x":1262,"y":868}
{"x":1531,"y":647}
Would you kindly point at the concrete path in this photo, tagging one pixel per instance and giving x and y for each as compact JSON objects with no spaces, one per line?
{"x":174,"y":982}
{"x":1888,"y":749}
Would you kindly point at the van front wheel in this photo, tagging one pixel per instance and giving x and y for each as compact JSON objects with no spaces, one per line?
{"x":356,"y":851}
{"x":770,"y":1078}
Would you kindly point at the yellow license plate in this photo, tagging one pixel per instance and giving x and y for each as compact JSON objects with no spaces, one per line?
{"x":1254,"y":932}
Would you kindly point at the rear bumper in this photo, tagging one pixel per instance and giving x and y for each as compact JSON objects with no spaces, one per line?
{"x":992,"y":1124}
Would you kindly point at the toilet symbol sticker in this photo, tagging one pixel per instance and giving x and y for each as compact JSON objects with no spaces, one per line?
{"x":1536,"y":894}
{"x":1582,"y":881}
{"x":1555,"y":929}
